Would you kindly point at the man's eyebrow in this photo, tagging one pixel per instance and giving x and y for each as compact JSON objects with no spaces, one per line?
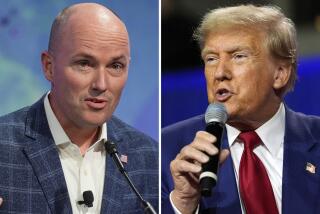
{"x":120,"y":57}
{"x":88,"y":56}
{"x":206,"y":51}
{"x":239,"y":48}
{"x":83,"y":55}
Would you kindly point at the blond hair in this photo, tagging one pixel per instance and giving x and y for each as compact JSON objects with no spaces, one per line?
{"x":279,"y":30}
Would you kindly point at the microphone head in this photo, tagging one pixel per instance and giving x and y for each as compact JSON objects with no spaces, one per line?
{"x":110,"y":147}
{"x":88,"y":198}
{"x":216,"y":112}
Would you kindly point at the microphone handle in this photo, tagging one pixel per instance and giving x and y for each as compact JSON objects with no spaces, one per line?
{"x":118,"y":162}
{"x":208,"y":177}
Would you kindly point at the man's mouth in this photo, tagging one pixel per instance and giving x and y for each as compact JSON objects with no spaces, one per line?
{"x":96,"y":103}
{"x":96,"y":100}
{"x":223,"y":94}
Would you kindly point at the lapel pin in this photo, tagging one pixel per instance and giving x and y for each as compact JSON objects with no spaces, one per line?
{"x":311,"y":168}
{"x":124,"y":158}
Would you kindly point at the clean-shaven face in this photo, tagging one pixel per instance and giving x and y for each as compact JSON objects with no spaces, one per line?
{"x":90,"y":69}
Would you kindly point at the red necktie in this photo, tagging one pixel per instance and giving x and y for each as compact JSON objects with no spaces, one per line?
{"x":255,"y":187}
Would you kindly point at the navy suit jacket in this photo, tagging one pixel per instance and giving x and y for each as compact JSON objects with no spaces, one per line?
{"x":31,"y":176}
{"x":300,"y":188}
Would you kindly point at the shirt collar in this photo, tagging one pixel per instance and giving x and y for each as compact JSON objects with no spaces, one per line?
{"x":58,"y":134}
{"x":271,"y":132}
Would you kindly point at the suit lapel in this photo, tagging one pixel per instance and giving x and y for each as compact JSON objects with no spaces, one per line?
{"x":300,"y":187}
{"x":43,"y":156}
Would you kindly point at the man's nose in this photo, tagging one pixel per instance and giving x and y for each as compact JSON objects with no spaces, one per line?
{"x":100,"y":80}
{"x":223,"y":71}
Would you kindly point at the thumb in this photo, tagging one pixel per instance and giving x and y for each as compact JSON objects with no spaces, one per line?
{"x":223,"y":155}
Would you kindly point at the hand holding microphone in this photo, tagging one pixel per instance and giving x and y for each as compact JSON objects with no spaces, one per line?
{"x":191,"y":162}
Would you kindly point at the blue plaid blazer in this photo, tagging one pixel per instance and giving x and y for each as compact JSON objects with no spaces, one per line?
{"x":31,"y":176}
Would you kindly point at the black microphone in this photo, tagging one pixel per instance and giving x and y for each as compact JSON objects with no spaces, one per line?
{"x":87,"y":198}
{"x":112,"y":151}
{"x":215,"y":117}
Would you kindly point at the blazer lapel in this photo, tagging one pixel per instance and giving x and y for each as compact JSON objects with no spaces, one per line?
{"x":300,"y":183}
{"x":42,"y":153}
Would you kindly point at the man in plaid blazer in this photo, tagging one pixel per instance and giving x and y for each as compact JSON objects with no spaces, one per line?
{"x":53,"y":151}
{"x":32,"y":179}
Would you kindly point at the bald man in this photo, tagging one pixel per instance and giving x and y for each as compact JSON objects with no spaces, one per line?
{"x":53,"y":151}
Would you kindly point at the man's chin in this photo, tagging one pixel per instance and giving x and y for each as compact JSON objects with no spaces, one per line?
{"x":95,"y":121}
{"x":89,"y":126}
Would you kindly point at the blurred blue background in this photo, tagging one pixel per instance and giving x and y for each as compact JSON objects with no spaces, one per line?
{"x":183,"y":88}
{"x":24,"y":33}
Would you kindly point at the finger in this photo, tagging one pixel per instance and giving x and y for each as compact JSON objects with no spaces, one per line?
{"x":193,"y":180}
{"x":206,"y":136}
{"x":223,"y":155}
{"x":197,"y":163}
{"x":1,"y":201}
{"x":200,"y":165}
{"x":204,"y":143}
{"x":192,"y":154}
{"x":178,"y":167}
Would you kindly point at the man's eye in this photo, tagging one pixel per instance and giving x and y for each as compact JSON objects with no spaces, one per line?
{"x":239,"y":56}
{"x":117,"y":66}
{"x":210,"y":59}
{"x":83,"y":63}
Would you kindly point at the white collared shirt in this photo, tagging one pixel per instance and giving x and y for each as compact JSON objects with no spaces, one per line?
{"x":270,"y":152}
{"x":82,"y":173}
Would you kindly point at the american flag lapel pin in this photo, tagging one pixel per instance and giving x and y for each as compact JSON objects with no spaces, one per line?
{"x":124,"y":158}
{"x":311,"y":168}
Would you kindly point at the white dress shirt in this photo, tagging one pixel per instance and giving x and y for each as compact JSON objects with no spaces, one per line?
{"x":81,"y":173}
{"x":270,"y":152}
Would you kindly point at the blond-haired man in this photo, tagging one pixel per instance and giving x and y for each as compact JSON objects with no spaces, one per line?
{"x":250,"y":59}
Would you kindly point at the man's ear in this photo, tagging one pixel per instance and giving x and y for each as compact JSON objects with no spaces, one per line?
{"x":282,"y":75}
{"x":47,"y":67}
